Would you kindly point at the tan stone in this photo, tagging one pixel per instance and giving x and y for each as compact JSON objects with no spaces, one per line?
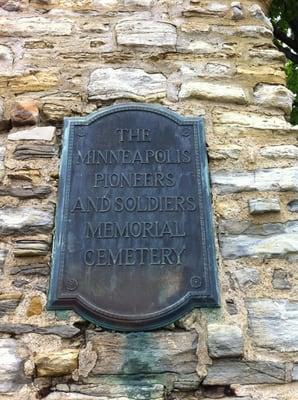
{"x":213,"y":91}
{"x":35,"y":306}
{"x":37,"y":133}
{"x":33,"y":26}
{"x":57,"y":363}
{"x":264,"y":74}
{"x":33,"y":83}
{"x":25,"y":112}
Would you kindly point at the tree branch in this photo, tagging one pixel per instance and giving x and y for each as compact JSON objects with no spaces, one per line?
{"x":288,"y":53}
{"x":285,"y":39}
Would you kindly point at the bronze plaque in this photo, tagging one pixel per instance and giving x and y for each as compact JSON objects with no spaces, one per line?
{"x":134,"y":246}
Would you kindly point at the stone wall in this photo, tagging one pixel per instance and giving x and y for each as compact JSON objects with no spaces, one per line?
{"x":213,"y":58}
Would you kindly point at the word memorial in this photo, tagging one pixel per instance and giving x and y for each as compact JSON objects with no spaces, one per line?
{"x":134,"y":247}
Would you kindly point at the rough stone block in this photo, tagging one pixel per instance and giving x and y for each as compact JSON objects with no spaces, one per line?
{"x":57,"y":363}
{"x":261,"y":206}
{"x":280,"y":152}
{"x":213,"y":91}
{"x":109,"y":83}
{"x":43,"y":133}
{"x":30,"y":248}
{"x":274,"y":179}
{"x":273,"y":324}
{"x":124,"y":354}
{"x":227,"y":372}
{"x":11,"y":366}
{"x":225,"y":341}
{"x":34,"y":26}
{"x":276,"y":96}
{"x":33,"y":151}
{"x":280,"y":280}
{"x":25,"y":220}
{"x":146,"y":33}
{"x":247,"y":277}
{"x":281,"y":240}
{"x":36,"y":82}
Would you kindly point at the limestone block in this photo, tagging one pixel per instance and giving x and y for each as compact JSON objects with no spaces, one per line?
{"x":224,"y":153}
{"x":213,"y":8}
{"x":57,"y":363}
{"x":271,"y":179}
{"x":138,"y":3}
{"x":34,"y":26}
{"x":31,"y":269}
{"x":280,"y":280}
{"x":263,"y":74}
{"x":276,"y":96}
{"x":71,"y":396}
{"x":146,"y":33}
{"x":24,"y":112}
{"x":36,"y":82}
{"x":204,"y":47}
{"x":35,"y":306}
{"x":282,"y":243}
{"x":25,"y":220}
{"x":225,"y":341}
{"x":64,"y":331}
{"x":33,"y":151}
{"x":241,"y":122}
{"x":6,"y":58}
{"x":208,"y":69}
{"x":295,"y":372}
{"x":27,"y":192}
{"x":165,"y":352}
{"x":213,"y":91}
{"x":273,"y":324}
{"x":227,"y":372}
{"x":9,"y":302}
{"x":130,"y":83}
{"x":30,"y":248}
{"x":11,"y":366}
{"x":278,"y":152}
{"x":45,"y":133}
{"x":2,"y":165}
{"x":247,"y":277}
{"x":261,"y":206}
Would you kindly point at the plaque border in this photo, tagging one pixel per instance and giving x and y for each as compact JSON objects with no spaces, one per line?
{"x":58,"y":300}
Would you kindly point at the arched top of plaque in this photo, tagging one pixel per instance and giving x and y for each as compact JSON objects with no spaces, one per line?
{"x":134,"y":244}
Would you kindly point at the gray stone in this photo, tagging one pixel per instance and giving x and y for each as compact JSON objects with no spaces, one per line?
{"x":11,"y":366}
{"x":237,"y":10}
{"x":213,"y":91}
{"x":146,"y":33}
{"x":8,"y":306}
{"x":273,"y":324}
{"x":30,"y":248}
{"x":165,"y":352}
{"x":295,"y":372}
{"x":274,"y":179}
{"x":64,"y":331}
{"x":280,"y":280}
{"x":247,"y":277}
{"x":228,"y":372}
{"x":31,"y":269}
{"x":260,"y":241}
{"x":6,"y":58}
{"x":276,"y":96}
{"x":25,"y":220}
{"x":225,"y":341}
{"x":130,"y":83}
{"x":261,"y":206}
{"x":34,"y":26}
{"x":2,"y":165}
{"x":45,"y":133}
{"x":26,"y":192}
{"x":28,"y":152}
{"x":293,"y":206}
{"x":282,"y":151}
{"x":3,"y":255}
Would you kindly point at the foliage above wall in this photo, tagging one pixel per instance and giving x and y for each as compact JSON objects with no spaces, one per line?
{"x":284,"y":16}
